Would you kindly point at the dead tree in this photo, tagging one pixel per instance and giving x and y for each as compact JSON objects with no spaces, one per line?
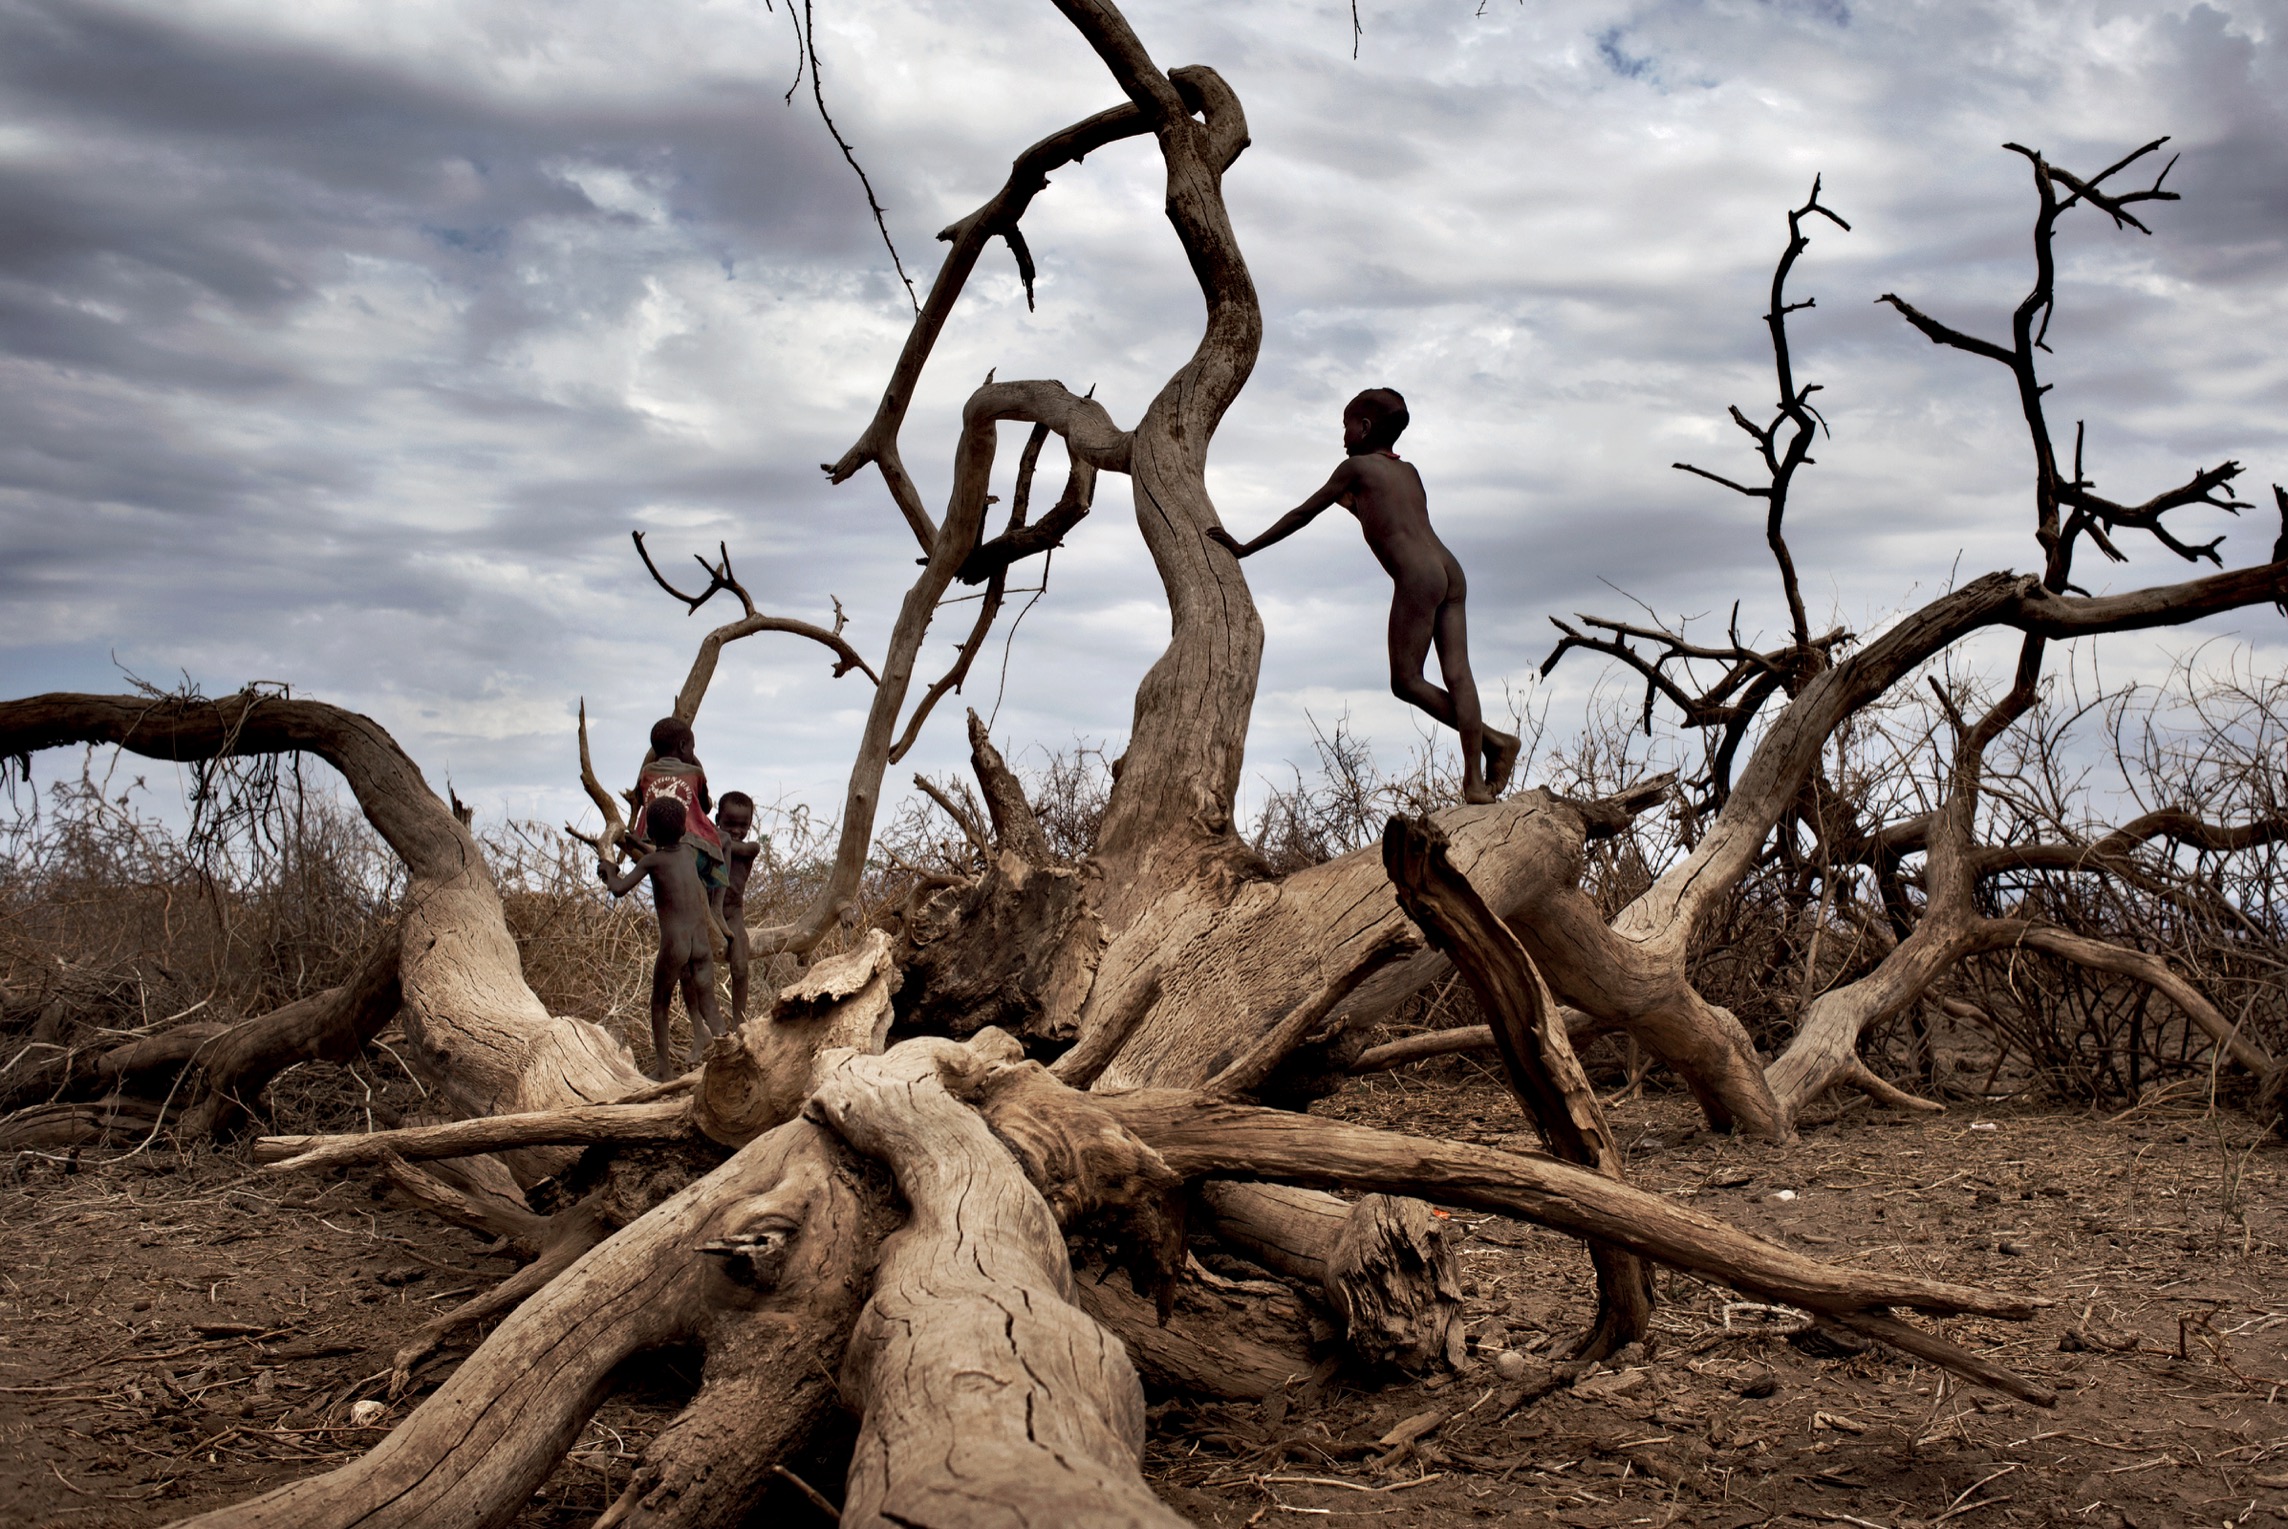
{"x":478,"y":1037}
{"x":1635,"y":977}
{"x":1171,"y":968}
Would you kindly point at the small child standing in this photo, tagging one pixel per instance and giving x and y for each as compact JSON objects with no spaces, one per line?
{"x":735,"y":815}
{"x":672,"y":772}
{"x":686,"y":949}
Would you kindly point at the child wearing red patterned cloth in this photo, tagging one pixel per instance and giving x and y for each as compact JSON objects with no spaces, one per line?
{"x":672,"y":772}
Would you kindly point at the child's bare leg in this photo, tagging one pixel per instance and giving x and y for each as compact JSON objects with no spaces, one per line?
{"x":1418,"y":615}
{"x":699,"y":1003}
{"x":742,"y":963}
{"x":1499,"y":749}
{"x":663,"y":971}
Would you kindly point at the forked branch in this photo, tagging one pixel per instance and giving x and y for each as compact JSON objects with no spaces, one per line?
{"x":1784,"y":445}
{"x":721,"y":579}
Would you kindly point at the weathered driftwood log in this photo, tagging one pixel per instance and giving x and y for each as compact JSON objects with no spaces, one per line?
{"x":1409,"y":1049}
{"x":987,"y":1396}
{"x":1536,"y":1054}
{"x":72,"y":1123}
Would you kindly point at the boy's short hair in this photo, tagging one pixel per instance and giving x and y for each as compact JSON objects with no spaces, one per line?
{"x":735,"y":799}
{"x":1386,"y":416}
{"x":670,"y":735}
{"x":663,"y":820}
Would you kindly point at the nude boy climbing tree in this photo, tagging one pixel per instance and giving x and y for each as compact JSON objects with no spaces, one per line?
{"x":1426,"y":601}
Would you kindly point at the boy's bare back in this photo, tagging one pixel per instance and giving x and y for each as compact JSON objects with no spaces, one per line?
{"x":1386,"y":496}
{"x":686,"y":930}
{"x":679,"y":899}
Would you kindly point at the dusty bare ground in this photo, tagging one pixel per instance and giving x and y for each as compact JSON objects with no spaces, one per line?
{"x":181,"y":1331}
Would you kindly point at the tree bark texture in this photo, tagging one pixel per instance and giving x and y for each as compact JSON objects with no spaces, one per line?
{"x":987,"y":1396}
{"x":1383,"y":1264}
{"x":759,"y":1074}
{"x":796,"y":1220}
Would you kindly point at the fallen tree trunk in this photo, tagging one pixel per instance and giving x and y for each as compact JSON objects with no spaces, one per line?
{"x":210,"y":1075}
{"x":475,"y":1449}
{"x":1208,"y":1137}
{"x":987,"y":1396}
{"x":587,"y":1125}
{"x":230,"y":1071}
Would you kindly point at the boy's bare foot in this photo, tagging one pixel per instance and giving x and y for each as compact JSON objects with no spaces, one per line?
{"x":1501,"y":750}
{"x":1478,"y":794}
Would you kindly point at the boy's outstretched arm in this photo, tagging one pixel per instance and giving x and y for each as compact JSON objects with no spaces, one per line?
{"x":621,"y":885}
{"x":1294,"y":520}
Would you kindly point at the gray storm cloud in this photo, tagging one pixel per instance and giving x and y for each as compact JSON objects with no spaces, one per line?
{"x":343,"y":345}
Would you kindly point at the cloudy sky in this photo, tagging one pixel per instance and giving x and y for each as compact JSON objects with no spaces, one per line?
{"x":342,"y":344}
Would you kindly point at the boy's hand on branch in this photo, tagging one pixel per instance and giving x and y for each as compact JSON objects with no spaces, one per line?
{"x":1227,"y":541}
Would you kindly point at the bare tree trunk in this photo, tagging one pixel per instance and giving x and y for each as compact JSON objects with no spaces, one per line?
{"x":988,"y":1397}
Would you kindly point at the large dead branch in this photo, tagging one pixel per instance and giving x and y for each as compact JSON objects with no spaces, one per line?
{"x":721,"y":578}
{"x":1536,"y":1054}
{"x":1089,"y":433}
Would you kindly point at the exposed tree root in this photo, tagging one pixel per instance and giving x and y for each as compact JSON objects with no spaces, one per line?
{"x":761,"y":1260}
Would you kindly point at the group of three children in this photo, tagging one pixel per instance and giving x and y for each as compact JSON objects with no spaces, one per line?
{"x":698,"y":872}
